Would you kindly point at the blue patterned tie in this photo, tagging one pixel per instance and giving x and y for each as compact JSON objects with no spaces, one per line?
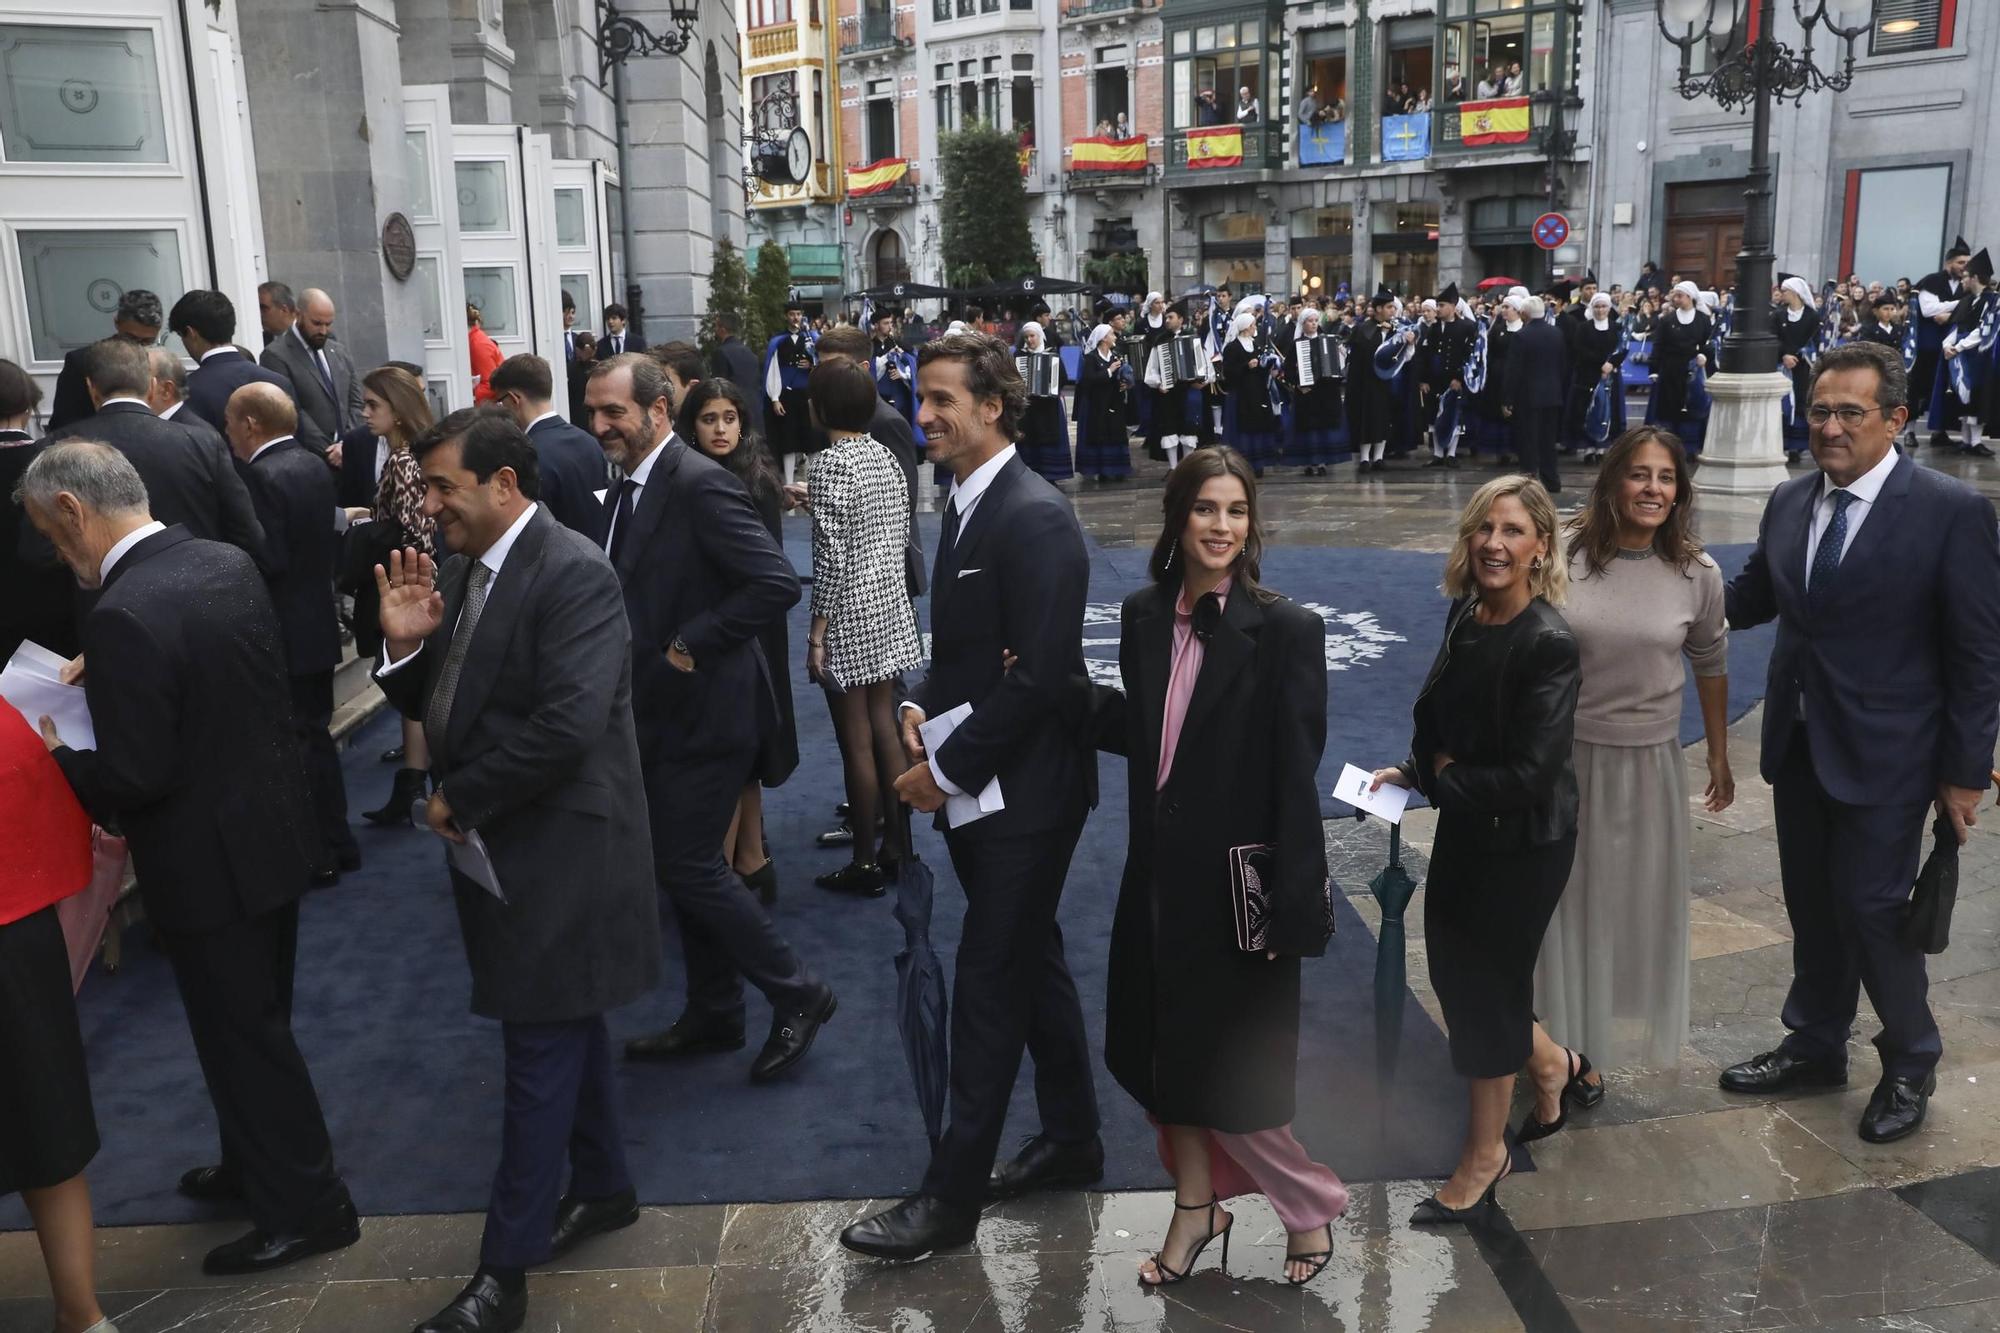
{"x":1826,"y":559}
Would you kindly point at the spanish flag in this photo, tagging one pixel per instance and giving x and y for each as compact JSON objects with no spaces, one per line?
{"x":876,"y":176}
{"x":1108,"y":155}
{"x":1498,"y":120}
{"x":1025,"y":157}
{"x":1216,"y":146}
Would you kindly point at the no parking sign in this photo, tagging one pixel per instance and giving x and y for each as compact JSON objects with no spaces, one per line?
{"x":1551,"y":230}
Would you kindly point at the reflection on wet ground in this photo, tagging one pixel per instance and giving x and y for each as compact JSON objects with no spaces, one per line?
{"x":1672,"y":1207}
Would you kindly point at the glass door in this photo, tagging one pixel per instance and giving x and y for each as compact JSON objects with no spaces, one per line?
{"x":427,"y":138}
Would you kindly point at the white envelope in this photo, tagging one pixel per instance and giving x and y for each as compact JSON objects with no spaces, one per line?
{"x":1387,"y":802}
{"x":960,"y":810}
{"x":32,"y":684}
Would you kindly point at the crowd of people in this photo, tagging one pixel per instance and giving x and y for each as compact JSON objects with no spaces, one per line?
{"x":606,"y":741}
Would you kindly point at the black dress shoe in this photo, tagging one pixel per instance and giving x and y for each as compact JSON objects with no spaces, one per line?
{"x":211,"y":1184}
{"x":1896,"y":1110}
{"x":1980,"y":451}
{"x":335,"y":1229}
{"x":1048,"y":1164}
{"x":913,"y":1228}
{"x":688,"y":1036}
{"x":579,"y":1219}
{"x":791,"y":1037}
{"x":1778,"y":1071}
{"x":861,"y":881}
{"x":840,"y":835}
{"x":485,"y":1306}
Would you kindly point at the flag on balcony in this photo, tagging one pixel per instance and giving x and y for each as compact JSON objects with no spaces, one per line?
{"x":1406,"y":138}
{"x":876,"y":176}
{"x":1108,"y":154}
{"x":1215,"y":146}
{"x":1496,"y":120}
{"x":1026,"y":157}
{"x":1323,"y":144}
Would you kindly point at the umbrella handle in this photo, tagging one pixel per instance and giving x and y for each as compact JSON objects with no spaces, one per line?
{"x":1395,"y":844}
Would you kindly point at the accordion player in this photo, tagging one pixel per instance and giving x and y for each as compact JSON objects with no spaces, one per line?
{"x":1178,"y":360}
{"x":1041,"y":371}
{"x":1320,"y":357}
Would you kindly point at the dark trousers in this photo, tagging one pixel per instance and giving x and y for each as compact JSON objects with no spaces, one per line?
{"x":725,"y":933}
{"x":1535,"y":436}
{"x":561,"y":1108}
{"x":312,"y":714}
{"x":1847,"y":871}
{"x":1011,"y":991}
{"x":236,"y":984}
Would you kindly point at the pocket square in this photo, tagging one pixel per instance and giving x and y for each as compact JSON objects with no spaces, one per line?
{"x":964,"y":572}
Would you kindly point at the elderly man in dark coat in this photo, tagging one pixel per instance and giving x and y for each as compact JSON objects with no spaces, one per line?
{"x":516,"y":656}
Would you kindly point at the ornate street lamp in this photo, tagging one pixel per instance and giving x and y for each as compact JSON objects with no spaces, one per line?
{"x":1750,"y":69}
{"x":619,"y":38}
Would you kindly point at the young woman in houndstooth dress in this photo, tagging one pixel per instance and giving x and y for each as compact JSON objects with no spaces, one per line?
{"x":864,"y":629}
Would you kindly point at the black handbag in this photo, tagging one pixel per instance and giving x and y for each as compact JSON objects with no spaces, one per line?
{"x":364,"y":546}
{"x":915,"y":578}
{"x":1927,"y":916}
{"x":1250,"y":867}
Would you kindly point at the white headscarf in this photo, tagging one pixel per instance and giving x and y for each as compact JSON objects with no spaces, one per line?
{"x":1097,"y":337}
{"x":1309,"y":313}
{"x":1604,"y":321}
{"x":1513,"y":292}
{"x":1693,"y":292}
{"x":1708,"y":301}
{"x":1430,"y":303}
{"x":1028,"y":328}
{"x":1244,"y":321}
{"x":956,"y":326}
{"x":1153,"y":321}
{"x":1797,"y":284}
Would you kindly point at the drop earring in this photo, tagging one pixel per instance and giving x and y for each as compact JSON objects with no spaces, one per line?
{"x":1172,"y":551}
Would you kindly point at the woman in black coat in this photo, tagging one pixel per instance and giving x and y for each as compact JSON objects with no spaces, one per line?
{"x":1222,"y":722}
{"x":1680,"y":341}
{"x":1492,"y":754}
{"x":1795,"y":323}
{"x":715,"y":416}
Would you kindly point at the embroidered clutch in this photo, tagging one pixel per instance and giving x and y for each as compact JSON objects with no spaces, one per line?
{"x":1250,"y":867}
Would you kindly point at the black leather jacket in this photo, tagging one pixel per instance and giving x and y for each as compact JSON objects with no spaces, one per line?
{"x":1516,"y":779}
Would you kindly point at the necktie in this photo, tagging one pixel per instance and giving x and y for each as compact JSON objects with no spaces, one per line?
{"x":326,"y":378}
{"x":438,"y":715}
{"x":626,"y":490}
{"x":949,"y":545}
{"x":1826,"y":559}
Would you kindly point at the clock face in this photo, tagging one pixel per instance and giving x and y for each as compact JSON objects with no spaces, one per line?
{"x":798,"y":155}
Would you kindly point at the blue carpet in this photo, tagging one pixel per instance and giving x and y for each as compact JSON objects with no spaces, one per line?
{"x":410,"y":1080}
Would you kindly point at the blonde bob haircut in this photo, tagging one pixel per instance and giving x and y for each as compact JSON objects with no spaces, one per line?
{"x":1551,"y":581}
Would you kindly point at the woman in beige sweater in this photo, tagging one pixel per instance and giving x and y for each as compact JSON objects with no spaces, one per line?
{"x":1613,"y":976}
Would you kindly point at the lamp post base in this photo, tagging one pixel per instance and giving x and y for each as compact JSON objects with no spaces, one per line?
{"x":1744,"y":451}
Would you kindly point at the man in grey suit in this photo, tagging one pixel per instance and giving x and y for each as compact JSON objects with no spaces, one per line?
{"x":322,"y":374}
{"x":516,"y":656}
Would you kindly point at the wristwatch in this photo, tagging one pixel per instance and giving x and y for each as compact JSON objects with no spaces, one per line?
{"x":679,"y":645}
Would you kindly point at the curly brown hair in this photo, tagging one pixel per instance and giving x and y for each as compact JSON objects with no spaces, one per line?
{"x":1593,"y":533}
{"x":990,"y":372}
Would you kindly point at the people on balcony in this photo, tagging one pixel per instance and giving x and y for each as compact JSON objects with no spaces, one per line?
{"x":1121,"y":128}
{"x":1206,"y":112}
{"x":1248,"y":110}
{"x":1310,"y":111}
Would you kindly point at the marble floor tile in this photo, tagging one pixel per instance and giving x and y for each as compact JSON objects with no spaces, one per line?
{"x":152,"y":1258}
{"x":1967,"y":1205}
{"x":1714,"y":930}
{"x":1663,"y":1168}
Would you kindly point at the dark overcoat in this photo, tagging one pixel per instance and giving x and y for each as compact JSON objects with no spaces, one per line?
{"x":1197,"y":1030}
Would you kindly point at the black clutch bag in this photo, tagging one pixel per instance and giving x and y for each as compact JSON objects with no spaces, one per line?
{"x":1251,"y":867}
{"x":1927,"y":916}
{"x":364,"y":546}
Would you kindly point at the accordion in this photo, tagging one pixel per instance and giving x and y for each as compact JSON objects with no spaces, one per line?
{"x":1184,"y":358}
{"x":1039,"y":369}
{"x":1320,"y":358}
{"x":1133,"y":349}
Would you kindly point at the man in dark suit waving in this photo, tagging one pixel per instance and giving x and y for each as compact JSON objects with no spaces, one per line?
{"x":516,"y":657}
{"x":1011,"y":576}
{"x":294,"y":494}
{"x":702,"y":580}
{"x":190,"y":479}
{"x":195,"y":762}
{"x":1884,"y":700}
{"x":571,"y":462}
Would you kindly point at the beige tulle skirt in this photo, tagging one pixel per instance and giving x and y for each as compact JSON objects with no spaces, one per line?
{"x":1613,"y":977}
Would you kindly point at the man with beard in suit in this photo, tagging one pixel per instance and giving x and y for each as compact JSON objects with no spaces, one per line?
{"x":324,"y":384}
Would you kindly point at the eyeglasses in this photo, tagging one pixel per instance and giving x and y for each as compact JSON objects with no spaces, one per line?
{"x":1850,"y":417}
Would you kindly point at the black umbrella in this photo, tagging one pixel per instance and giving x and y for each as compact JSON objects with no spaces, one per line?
{"x":1393,"y":889}
{"x":921,"y":1006}
{"x":1927,"y":925}
{"x":1199,"y":289}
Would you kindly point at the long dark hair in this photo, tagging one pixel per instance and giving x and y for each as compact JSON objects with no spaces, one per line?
{"x":750,"y":461}
{"x":1594,"y":532}
{"x":1184,"y":485}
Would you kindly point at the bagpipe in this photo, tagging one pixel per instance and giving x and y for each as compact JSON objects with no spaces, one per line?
{"x":1597,"y":417}
{"x":901,"y":359}
{"x":1964,"y":377}
{"x":1398,"y":349}
{"x":774,"y":374}
{"x":1450,"y":423}
{"x":1697,"y":400}
{"x":1910,"y":322}
{"x":1273,"y":363}
{"x":1475,"y":366}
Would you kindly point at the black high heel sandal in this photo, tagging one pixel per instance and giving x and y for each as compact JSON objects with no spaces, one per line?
{"x":1319,"y":1259}
{"x":1575,"y":1092}
{"x":1434,"y":1212}
{"x":1168,"y":1277}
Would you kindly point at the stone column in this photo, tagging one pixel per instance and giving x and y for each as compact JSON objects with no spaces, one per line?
{"x":1362,"y":265}
{"x":462,"y":43}
{"x":326,"y":112}
{"x":1744,"y":451}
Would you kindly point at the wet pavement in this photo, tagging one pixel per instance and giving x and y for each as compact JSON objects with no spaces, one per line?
{"x":1673,"y":1206}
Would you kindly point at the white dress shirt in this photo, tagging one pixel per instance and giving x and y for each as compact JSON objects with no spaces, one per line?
{"x":217,"y":351}
{"x":493,"y":559}
{"x":546,"y":416}
{"x":124,"y":398}
{"x":266,"y":445}
{"x":1864,"y":490}
{"x":638,"y":479}
{"x":965,"y":494}
{"x":124,"y":544}
{"x":316,"y":355}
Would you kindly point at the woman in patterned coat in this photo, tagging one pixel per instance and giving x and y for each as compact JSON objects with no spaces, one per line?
{"x":864,"y":629}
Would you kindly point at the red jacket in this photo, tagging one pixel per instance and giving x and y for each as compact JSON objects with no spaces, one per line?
{"x":485,"y":359}
{"x":44,"y":830}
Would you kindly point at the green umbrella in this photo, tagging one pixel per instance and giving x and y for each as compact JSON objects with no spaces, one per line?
{"x":1393,"y":889}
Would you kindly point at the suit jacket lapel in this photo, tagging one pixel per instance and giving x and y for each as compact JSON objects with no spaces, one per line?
{"x":654,"y":498}
{"x":986,"y":514}
{"x":488,"y":650}
{"x":1229,"y":650}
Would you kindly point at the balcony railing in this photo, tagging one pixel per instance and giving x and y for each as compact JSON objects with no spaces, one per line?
{"x":778,"y":40}
{"x":1084,"y":12}
{"x":1263,"y":144}
{"x":877,"y":36}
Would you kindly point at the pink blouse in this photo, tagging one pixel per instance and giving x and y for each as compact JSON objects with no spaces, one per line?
{"x":1181,"y":676}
